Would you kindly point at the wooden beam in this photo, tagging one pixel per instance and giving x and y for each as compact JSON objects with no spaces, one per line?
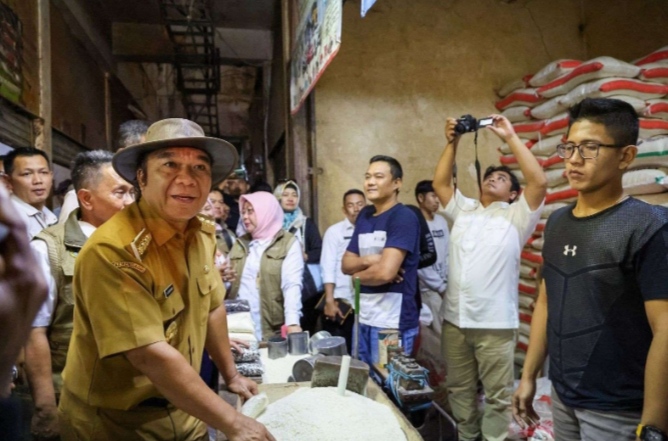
{"x":42,"y":128}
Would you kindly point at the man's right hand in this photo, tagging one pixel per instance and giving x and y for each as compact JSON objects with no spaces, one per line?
{"x":332,"y":310}
{"x":523,"y":411}
{"x":247,"y":429}
{"x":450,"y":135}
{"x":44,"y":425}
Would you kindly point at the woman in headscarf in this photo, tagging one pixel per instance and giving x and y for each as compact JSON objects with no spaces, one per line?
{"x":306,"y":231}
{"x":268,"y":263}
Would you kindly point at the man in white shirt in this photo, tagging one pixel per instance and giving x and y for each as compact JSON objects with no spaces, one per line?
{"x":101,"y":193}
{"x":480,"y":309}
{"x":338,"y":286}
{"x":30,"y":178}
{"x":433,"y":280}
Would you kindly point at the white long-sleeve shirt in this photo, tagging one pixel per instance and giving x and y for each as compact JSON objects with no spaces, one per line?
{"x":334,"y":245}
{"x":41,"y":250}
{"x":291,"y":283}
{"x":35,"y":220}
{"x":435,"y":277}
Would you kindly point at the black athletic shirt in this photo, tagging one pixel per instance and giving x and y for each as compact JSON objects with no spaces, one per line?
{"x":599,"y":271}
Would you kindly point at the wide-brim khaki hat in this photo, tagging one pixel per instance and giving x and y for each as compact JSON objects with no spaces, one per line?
{"x":177,"y":132}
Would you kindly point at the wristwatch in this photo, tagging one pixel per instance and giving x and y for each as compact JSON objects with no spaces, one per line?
{"x":650,"y":433}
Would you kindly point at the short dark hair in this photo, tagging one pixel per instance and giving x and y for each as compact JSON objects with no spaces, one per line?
{"x":261,"y":186}
{"x":130,"y":132}
{"x":619,"y":118}
{"x":395,"y":168}
{"x":352,"y":191}
{"x":514,"y":182}
{"x":10,"y":157}
{"x":217,"y":190}
{"x":423,"y":187}
{"x":87,"y":167}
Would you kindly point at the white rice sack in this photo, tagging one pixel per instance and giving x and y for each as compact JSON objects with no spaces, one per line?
{"x":546,"y":146}
{"x":557,"y":125}
{"x":601,"y":67}
{"x":531,"y":257}
{"x":528,"y":129}
{"x":548,"y":109}
{"x":652,"y":152}
{"x":511,"y":162}
{"x":526,"y":302}
{"x":553,"y":71}
{"x":637,"y":103}
{"x":538,"y":243}
{"x":656,"y":109}
{"x":658,"y":56}
{"x":652,"y":127}
{"x":527,"y":272}
{"x":548,"y":209}
{"x":554,"y":162}
{"x":555,"y":177}
{"x":512,"y":86}
{"x":505,"y":148}
{"x":644,"y":181}
{"x":654,"y":199}
{"x":656,"y":72}
{"x":517,"y":114}
{"x":561,"y":194}
{"x":522,"y":97}
{"x":615,"y":86}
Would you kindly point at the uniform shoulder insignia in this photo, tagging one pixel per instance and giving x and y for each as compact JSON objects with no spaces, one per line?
{"x":208,"y":224}
{"x":140,"y":243}
{"x":132,"y":265}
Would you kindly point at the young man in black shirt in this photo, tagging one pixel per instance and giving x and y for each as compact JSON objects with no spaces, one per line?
{"x":602,"y":309}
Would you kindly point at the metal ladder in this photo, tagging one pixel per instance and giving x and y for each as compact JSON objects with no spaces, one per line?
{"x":197,"y":60}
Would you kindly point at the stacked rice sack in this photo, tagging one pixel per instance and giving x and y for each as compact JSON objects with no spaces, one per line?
{"x":537,"y":106}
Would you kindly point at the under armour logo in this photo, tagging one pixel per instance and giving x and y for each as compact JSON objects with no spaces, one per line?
{"x":572,"y":250}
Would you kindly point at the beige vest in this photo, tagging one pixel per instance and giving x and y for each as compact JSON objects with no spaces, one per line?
{"x":64,"y":241}
{"x":268,"y":280}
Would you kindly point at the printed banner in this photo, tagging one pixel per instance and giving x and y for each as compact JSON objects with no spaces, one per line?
{"x":318,"y":39}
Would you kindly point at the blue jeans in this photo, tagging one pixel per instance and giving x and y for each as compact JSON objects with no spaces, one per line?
{"x":368,"y":341}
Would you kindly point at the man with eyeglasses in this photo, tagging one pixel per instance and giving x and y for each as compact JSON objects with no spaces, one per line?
{"x":480,"y":310}
{"x":29,"y":176}
{"x":602,"y":308}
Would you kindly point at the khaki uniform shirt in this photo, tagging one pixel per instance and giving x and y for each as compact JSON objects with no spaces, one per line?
{"x":137,"y":281}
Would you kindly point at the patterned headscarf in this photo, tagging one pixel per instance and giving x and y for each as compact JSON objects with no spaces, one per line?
{"x":293,"y":218}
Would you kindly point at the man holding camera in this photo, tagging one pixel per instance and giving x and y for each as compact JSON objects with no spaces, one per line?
{"x":480,"y":309}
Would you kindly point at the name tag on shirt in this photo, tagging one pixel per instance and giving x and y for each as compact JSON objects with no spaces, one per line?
{"x":168,"y":291}
{"x":438,"y":233}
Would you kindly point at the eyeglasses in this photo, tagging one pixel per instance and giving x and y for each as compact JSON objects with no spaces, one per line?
{"x":587,"y":150}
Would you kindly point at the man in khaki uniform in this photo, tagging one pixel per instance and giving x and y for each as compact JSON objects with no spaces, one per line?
{"x":148,"y":301}
{"x":102,"y":193}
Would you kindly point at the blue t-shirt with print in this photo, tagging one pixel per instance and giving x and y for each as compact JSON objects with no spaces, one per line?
{"x":393,"y":305}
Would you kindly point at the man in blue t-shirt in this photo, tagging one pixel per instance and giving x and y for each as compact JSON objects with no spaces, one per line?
{"x":384,"y":254}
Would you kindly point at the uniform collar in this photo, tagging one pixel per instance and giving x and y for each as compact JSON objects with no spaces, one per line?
{"x":161,"y":231}
{"x":347,"y":224}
